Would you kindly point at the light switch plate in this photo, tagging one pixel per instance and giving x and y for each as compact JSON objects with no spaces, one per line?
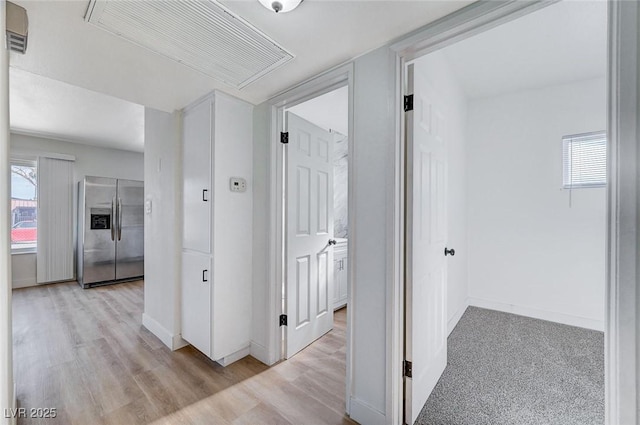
{"x":147,"y":206}
{"x":237,"y":184}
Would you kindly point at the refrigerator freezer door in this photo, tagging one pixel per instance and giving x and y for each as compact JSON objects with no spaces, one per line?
{"x":129,"y":234}
{"x":99,"y":254}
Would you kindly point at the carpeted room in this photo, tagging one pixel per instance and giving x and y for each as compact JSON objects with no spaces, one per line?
{"x":522,"y":110}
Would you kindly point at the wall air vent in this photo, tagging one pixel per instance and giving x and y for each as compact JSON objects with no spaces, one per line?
{"x":17,"y":28}
{"x":201,"y":34}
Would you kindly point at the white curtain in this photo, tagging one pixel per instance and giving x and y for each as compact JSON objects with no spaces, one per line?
{"x":55,"y":220}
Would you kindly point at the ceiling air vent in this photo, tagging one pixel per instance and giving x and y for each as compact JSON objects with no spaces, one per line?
{"x":17,"y":28}
{"x":199,"y":34}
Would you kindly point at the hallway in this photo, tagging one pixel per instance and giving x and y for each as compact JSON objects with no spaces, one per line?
{"x":86,"y":354}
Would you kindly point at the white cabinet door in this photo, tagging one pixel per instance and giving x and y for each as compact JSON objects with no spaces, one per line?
{"x":340,"y":277}
{"x":197,"y":178}
{"x":196,"y":300}
{"x":344,"y":276}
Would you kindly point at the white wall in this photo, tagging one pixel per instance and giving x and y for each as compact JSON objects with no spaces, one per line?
{"x":7,"y":394}
{"x":23,"y":270}
{"x":90,"y":161}
{"x":260,"y":323}
{"x":623,"y":327}
{"x":436,"y":69}
{"x":530,"y":252}
{"x":371,"y":239}
{"x":232,"y":226}
{"x":163,"y":227}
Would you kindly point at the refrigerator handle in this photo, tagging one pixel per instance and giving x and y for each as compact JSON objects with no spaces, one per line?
{"x":119,"y":218}
{"x":113,"y":219}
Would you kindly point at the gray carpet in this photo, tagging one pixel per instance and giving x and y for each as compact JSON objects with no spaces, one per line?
{"x":505,"y":369}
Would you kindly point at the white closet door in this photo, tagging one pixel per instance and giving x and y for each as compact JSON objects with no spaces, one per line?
{"x":55,"y":220}
{"x":426,"y":291}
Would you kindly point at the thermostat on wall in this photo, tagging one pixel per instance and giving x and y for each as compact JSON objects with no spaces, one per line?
{"x":147,"y":206}
{"x":237,"y":184}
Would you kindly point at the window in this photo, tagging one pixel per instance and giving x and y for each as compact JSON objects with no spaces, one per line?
{"x":584,"y":160}
{"x":24,"y":206}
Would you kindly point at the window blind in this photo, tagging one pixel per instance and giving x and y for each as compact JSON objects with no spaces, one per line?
{"x":54,"y":260}
{"x":584,"y":160}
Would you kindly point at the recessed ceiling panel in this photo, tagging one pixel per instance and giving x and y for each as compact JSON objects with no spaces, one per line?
{"x":202,"y":35}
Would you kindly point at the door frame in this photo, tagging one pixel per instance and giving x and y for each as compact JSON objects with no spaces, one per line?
{"x":333,"y":79}
{"x":620,"y":294}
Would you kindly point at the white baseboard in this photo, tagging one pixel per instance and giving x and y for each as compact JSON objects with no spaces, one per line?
{"x":551,"y":316}
{"x":234,"y":357}
{"x":453,"y":321}
{"x":338,"y":305}
{"x":260,"y":352}
{"x":363,"y":413}
{"x":178,"y":342}
{"x":163,"y":334}
{"x":23,"y":283}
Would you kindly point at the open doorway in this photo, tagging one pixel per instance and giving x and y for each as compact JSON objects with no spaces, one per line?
{"x":312,"y":172}
{"x":506,"y":167}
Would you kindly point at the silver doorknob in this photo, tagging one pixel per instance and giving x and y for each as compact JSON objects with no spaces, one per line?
{"x":332,"y":242}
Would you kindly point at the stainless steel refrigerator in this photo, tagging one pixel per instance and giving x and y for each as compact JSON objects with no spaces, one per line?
{"x":110,"y":231}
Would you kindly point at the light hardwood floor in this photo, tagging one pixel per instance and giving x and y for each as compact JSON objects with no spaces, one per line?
{"x":85,"y":353}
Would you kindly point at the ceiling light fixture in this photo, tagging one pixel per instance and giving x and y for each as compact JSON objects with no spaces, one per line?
{"x":280,"y":6}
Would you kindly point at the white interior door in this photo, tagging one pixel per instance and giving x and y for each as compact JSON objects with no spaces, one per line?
{"x":309,"y":256}
{"x":426,"y":272}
